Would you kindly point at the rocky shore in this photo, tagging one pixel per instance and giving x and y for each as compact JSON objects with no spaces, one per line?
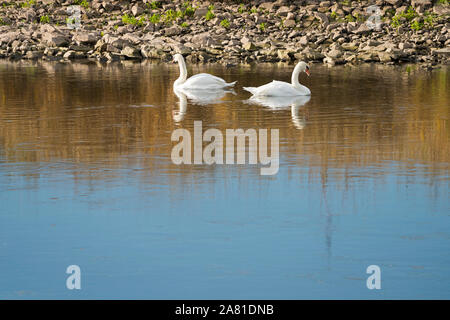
{"x":229,"y":32}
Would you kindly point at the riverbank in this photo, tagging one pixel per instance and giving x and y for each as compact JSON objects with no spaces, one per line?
{"x":391,"y":32}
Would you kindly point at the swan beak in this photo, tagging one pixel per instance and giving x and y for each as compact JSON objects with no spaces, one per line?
{"x":307,"y":72}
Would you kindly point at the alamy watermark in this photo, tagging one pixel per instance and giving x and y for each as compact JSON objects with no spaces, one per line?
{"x":374,"y":280}
{"x":213,"y":153}
{"x":74,"y":19}
{"x":374,"y":20}
{"x":74,"y":280}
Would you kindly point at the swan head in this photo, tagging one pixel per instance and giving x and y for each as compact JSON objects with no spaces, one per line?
{"x":177,"y":57}
{"x":302,"y":66}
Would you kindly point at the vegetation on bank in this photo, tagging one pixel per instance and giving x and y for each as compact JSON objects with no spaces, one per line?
{"x":155,"y":12}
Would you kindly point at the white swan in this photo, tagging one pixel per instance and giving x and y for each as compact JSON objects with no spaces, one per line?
{"x":284,"y":89}
{"x":199,"y":81}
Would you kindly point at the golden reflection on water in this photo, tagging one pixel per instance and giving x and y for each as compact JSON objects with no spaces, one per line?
{"x":114,"y":114}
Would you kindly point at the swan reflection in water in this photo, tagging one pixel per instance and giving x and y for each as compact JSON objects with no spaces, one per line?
{"x":196,"y":96}
{"x":283,"y":102}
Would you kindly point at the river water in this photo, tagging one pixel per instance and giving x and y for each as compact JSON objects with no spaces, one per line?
{"x":86,"y":178}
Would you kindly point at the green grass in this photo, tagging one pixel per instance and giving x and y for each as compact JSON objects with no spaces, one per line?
{"x":155,"y":18}
{"x":132,"y":20}
{"x":349,"y":18}
{"x":28,"y":4}
{"x":154,"y":5}
{"x":44,"y":19}
{"x":262,"y":26}
{"x":429,"y":19}
{"x":184,"y":25}
{"x":416,"y":25}
{"x":225,"y":23}
{"x":83,"y":3}
{"x":189,"y":10}
{"x":171,"y":15}
{"x":241,"y":9}
{"x":445,"y":2}
{"x":210,"y":14}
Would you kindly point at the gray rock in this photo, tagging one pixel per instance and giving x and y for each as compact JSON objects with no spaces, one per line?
{"x":136,"y":10}
{"x":85,"y":38}
{"x":131,"y":52}
{"x":172,"y":31}
{"x":55,"y":40}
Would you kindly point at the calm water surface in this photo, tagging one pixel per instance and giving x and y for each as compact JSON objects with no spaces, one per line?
{"x":86,"y":178}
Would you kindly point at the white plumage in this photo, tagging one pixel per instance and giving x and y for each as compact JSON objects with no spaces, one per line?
{"x":283,"y":89}
{"x":201,"y":81}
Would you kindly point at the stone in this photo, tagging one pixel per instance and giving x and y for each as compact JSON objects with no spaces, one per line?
{"x":136,"y":10}
{"x":85,"y":38}
{"x":385,"y":57}
{"x":55,"y":40}
{"x":172,"y":31}
{"x":130,"y":52}
{"x":334,"y":53}
{"x":249,"y":46}
{"x":323,"y":18}
{"x":289,"y":23}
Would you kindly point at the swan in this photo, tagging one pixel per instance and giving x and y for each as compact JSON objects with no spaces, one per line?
{"x":199,"y":81}
{"x":284,"y":89}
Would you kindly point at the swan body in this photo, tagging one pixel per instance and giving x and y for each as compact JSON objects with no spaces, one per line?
{"x":283,"y":89}
{"x":201,"y":81}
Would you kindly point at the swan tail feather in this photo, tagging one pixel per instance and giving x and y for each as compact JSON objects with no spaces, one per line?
{"x":230,"y":84}
{"x":252,"y":90}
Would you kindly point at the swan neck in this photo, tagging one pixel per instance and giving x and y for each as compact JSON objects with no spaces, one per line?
{"x":294,"y":79}
{"x":183,"y":71}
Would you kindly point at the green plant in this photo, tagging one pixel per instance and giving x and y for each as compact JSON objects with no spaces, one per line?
{"x":171,"y":15}
{"x":28,"y":4}
{"x":416,"y":25}
{"x":154,"y":5}
{"x":210,"y":14}
{"x":83,"y":3}
{"x":132,"y":20}
{"x":253,"y":10}
{"x":241,"y":9}
{"x":2,"y":23}
{"x":44,"y":19}
{"x":184,"y":25}
{"x":333,"y":15}
{"x":445,"y":2}
{"x":349,"y":18}
{"x":225,"y":23}
{"x":189,"y":10}
{"x":429,"y":19}
{"x":102,"y":33}
{"x":262,"y":26}
{"x":409,"y":14}
{"x":396,"y":23}
{"x":116,"y":27}
{"x":155,"y":18}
